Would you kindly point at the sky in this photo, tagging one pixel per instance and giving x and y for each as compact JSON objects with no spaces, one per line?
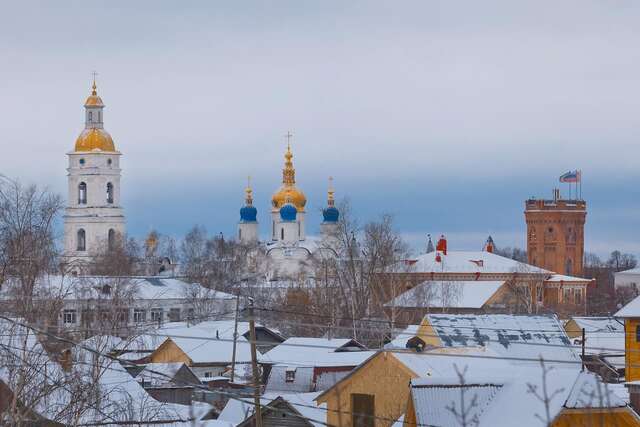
{"x":445,"y":114}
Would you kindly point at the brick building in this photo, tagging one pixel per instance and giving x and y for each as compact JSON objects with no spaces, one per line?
{"x":555,"y":234}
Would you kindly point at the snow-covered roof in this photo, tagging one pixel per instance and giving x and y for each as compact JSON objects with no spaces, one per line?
{"x":437,"y":404}
{"x":599,"y":324}
{"x":630,"y":310}
{"x":442,"y":294}
{"x":471,"y":262}
{"x":514,"y":336}
{"x":499,"y":397}
{"x":158,"y":374}
{"x":238,"y":410}
{"x":213,"y":351}
{"x":139,"y":287}
{"x":557,"y":278}
{"x":632,"y":271}
{"x":305,"y":351}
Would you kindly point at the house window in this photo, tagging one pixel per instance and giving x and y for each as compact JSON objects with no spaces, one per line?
{"x":638,"y":333}
{"x":156,"y":315}
{"x":290,"y":375}
{"x":110,"y":193}
{"x":174,"y":315}
{"x":69,"y":316}
{"x":208,"y":375}
{"x":82,"y":193}
{"x":81,"y":240}
{"x":578,"y":296}
{"x":363,"y":410}
{"x":540,"y":293}
{"x":567,"y":296}
{"x":139,"y":315}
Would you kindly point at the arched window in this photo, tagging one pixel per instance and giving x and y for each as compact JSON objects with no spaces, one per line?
{"x":239,"y":233}
{"x":82,"y":240}
{"x":111,"y":239}
{"x":90,"y":116}
{"x":110,"y":193}
{"x":82,"y":193}
{"x":99,"y":116}
{"x":282,"y":234}
{"x":568,"y":266}
{"x":299,"y":230}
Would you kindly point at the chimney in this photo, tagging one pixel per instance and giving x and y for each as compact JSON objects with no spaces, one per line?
{"x":441,"y":246}
{"x":489,"y":245}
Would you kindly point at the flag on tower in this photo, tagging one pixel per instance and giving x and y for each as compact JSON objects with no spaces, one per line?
{"x":571,"y":176}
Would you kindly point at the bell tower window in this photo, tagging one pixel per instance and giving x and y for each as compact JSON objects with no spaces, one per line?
{"x":82,"y":193}
{"x":90,"y":116}
{"x":81,"y":240}
{"x":110,"y":193}
{"x":111,"y":239}
{"x":282,"y":234}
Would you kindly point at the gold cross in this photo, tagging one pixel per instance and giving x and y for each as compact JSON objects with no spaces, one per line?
{"x":289,"y":135}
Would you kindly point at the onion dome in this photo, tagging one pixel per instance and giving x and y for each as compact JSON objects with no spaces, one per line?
{"x":95,"y":139}
{"x":288,"y":212}
{"x":288,"y":189}
{"x":330,"y":213}
{"x":248,"y":213}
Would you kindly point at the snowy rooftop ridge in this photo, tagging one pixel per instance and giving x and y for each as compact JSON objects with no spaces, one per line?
{"x":459,"y":294}
{"x":471,"y":262}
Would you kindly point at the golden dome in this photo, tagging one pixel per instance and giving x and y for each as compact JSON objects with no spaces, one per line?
{"x":286,"y":193}
{"x":94,"y":100}
{"x":288,"y":190}
{"x":94,"y":139}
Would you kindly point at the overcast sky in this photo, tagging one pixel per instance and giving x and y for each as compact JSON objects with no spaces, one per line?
{"x":446,"y":114}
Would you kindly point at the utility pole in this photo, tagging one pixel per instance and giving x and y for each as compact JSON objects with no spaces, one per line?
{"x":254,"y":364}
{"x":235,"y":339}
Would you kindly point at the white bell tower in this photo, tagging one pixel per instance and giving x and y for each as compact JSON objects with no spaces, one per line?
{"x":94,"y":220}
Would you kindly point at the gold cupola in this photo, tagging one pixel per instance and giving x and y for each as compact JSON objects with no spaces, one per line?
{"x":94,"y":137}
{"x":288,"y":189}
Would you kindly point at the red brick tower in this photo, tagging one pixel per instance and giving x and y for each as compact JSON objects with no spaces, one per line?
{"x":555,"y":233}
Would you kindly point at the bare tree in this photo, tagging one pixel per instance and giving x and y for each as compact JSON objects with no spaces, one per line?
{"x":544,"y":395}
{"x":465,"y":413}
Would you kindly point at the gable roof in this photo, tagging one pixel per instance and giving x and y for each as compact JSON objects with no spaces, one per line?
{"x":598,"y":324}
{"x":513,"y":336}
{"x":238,"y":410}
{"x":500,"y":397}
{"x":444,"y":294}
{"x":630,"y":310}
{"x":305,"y":351}
{"x":471,"y":262}
{"x":212,"y":351}
{"x":437,"y":402}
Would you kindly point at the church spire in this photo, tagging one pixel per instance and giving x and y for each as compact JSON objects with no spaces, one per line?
{"x":288,"y":173}
{"x":248,"y":193}
{"x":330,"y":193}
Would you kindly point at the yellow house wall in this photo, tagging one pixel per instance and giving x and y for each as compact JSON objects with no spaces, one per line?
{"x":428,"y":334}
{"x":619,"y":417}
{"x":169,"y":352}
{"x":382,"y":376}
{"x":631,"y":350}
{"x":572,"y":329}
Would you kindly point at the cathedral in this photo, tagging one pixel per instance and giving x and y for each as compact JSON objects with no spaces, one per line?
{"x":94,"y":219}
{"x":288,"y":246}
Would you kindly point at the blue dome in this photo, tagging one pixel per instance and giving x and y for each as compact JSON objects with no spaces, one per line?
{"x":248,"y":214}
{"x":331,"y":214}
{"x":288,"y":212}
